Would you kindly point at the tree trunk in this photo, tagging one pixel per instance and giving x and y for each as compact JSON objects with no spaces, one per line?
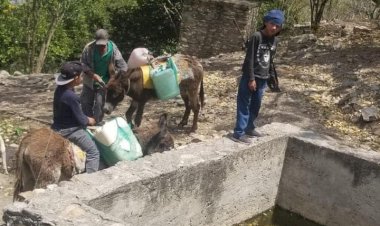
{"x":57,"y":16}
{"x":31,"y":33}
{"x":45,"y":46}
{"x":317,"y":8}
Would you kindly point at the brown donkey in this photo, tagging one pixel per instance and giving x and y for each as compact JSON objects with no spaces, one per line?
{"x":130,"y":83}
{"x":44,"y":157}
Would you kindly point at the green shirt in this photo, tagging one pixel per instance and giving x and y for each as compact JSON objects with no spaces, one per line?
{"x":101,"y":62}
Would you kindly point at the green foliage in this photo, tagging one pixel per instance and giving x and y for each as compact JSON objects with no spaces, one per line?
{"x":153,"y":24}
{"x":10,"y":29}
{"x":19,"y":131}
{"x":131,"y":23}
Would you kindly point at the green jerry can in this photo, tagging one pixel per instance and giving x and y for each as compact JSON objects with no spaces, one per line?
{"x":165,"y":83}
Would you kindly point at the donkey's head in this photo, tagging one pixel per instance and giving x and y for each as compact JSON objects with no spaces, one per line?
{"x":115,"y":92}
{"x":157,"y":138}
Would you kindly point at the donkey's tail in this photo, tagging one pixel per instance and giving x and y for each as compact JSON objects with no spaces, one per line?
{"x":202,"y":95}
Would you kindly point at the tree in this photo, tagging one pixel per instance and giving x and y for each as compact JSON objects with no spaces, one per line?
{"x":44,"y":18}
{"x":58,"y":10}
{"x":317,"y":8}
{"x":10,"y":29}
{"x":153,"y":24}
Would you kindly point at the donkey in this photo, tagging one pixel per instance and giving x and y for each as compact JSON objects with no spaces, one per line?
{"x":130,"y":83}
{"x":44,"y":157}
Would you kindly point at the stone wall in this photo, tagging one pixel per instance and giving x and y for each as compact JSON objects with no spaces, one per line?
{"x":208,"y":27}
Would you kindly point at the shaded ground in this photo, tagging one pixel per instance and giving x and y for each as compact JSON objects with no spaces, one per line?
{"x":325,"y":81}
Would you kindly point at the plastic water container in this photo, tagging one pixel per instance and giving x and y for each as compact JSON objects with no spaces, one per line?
{"x":165,"y":83}
{"x":116,"y":141}
{"x":138,"y":57}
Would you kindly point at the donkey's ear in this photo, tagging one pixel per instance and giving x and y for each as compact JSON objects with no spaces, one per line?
{"x":163,"y":120}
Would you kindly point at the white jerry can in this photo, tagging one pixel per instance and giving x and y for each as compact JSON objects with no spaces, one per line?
{"x":116,"y":141}
{"x":138,"y":58}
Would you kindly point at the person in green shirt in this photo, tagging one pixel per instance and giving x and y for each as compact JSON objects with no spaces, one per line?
{"x":98,"y":55}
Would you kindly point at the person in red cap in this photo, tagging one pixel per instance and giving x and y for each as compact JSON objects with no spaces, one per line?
{"x":257,"y":68}
{"x":68,"y":117}
{"x":98,"y":55}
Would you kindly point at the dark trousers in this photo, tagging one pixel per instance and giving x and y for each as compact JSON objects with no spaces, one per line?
{"x":92,"y":101}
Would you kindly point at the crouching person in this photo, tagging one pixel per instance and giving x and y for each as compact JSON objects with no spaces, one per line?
{"x":69,"y":119}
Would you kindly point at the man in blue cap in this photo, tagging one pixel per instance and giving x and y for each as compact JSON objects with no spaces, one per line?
{"x":257,"y":68}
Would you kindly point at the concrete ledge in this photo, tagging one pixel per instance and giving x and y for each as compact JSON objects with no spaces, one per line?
{"x":330,"y":185}
{"x":219,"y":183}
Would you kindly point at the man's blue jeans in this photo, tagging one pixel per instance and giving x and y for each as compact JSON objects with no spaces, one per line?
{"x":248,"y":105}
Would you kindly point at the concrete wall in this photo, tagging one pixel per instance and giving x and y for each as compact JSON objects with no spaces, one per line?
{"x":210,"y":187}
{"x":207,"y":26}
{"x":219,"y":183}
{"x":331,"y":184}
{"x":210,"y":183}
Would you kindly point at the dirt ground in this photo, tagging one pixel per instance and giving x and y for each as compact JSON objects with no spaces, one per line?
{"x":326,"y":81}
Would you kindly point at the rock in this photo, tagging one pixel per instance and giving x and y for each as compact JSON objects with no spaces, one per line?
{"x":355,"y":118}
{"x":51,"y":187}
{"x":27,"y":195}
{"x":72,"y":211}
{"x":179,"y":102}
{"x":361,"y":29}
{"x":13,"y":145}
{"x":302,"y":28}
{"x":17,"y":73}
{"x":375,"y":88}
{"x":348,"y":83}
{"x":4,"y":74}
{"x":308,"y":56}
{"x":304,"y":38}
{"x":370,"y":114}
{"x":376,"y":130}
{"x":347,"y":109}
{"x":337,"y":45}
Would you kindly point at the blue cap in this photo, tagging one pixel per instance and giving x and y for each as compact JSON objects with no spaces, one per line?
{"x":275,"y":16}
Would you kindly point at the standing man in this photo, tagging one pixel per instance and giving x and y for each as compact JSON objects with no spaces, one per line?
{"x":257,"y":68}
{"x":100,"y":55}
{"x":68,"y":117}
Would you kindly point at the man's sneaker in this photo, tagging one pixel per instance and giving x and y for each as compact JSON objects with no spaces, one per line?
{"x":242,"y":139}
{"x":253,"y":133}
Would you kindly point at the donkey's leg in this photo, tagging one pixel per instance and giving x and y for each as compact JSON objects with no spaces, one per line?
{"x":185,"y":117}
{"x":3,"y":155}
{"x":195,"y":107}
{"x":139,"y":113}
{"x":28,"y":178}
{"x":132,"y":108}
